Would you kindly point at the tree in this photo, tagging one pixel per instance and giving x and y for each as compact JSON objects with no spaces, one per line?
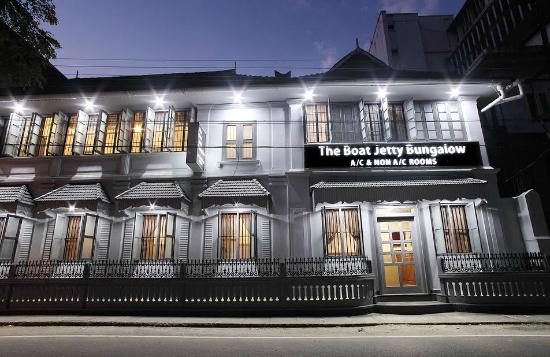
{"x":26,"y":48}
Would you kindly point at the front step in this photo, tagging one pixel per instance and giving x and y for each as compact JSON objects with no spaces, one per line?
{"x":410,"y":304}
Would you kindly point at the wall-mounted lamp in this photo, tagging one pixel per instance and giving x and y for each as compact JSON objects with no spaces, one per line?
{"x":308,"y":95}
{"x":237,"y":97}
{"x":89,"y":105}
{"x":159,"y":102}
{"x":382,"y":93}
{"x":455,"y":92}
{"x":71,"y":207}
{"x":18,"y":107}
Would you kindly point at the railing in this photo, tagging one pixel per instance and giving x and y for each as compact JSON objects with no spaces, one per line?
{"x":323,"y":285}
{"x":496,"y":281}
{"x":501,"y":262}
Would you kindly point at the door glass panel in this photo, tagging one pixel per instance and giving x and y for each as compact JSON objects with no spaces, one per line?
{"x":408,"y":275}
{"x":392,"y":275}
{"x":384,"y":236}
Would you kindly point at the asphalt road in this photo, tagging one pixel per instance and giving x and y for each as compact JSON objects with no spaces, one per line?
{"x":504,"y":340}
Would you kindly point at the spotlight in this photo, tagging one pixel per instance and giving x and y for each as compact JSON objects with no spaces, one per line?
{"x":151,"y":206}
{"x":159,"y":102}
{"x":18,"y":107}
{"x":308,"y":95}
{"x":89,"y":105}
{"x":237,"y":97}
{"x":71,"y":207}
{"x":382,"y":93}
{"x":455,"y":92}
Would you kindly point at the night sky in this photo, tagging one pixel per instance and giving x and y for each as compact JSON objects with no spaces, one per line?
{"x":311,"y":33}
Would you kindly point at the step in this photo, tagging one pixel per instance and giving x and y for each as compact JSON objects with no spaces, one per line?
{"x":412,"y":307}
{"x":405,"y":297}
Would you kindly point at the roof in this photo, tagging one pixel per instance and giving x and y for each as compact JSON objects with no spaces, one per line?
{"x":397,"y":183}
{"x":16,"y":194}
{"x":69,"y":192}
{"x":235,"y":188}
{"x":145,"y":190}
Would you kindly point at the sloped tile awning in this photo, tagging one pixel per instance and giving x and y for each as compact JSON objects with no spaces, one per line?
{"x":157,"y":193}
{"x":88,"y":195}
{"x":16,"y":199}
{"x":398,"y":190}
{"x":235,"y":191}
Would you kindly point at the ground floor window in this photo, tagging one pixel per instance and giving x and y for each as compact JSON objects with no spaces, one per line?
{"x":80,"y":238}
{"x":157,"y":238}
{"x":9,"y":230}
{"x":237,"y":235}
{"x":455,"y":228}
{"x":342,"y":231}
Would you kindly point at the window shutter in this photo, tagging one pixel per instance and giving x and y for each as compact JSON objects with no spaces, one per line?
{"x":125,"y":130}
{"x":127,"y":239}
{"x":12,"y":229}
{"x":264,"y":237}
{"x":48,"y":240}
{"x":384,"y":107}
{"x":14,"y":131}
{"x":59,"y":234}
{"x":102,"y":236}
{"x":138,"y":229}
{"x":362,"y":120}
{"x":182,"y":238}
{"x":169,"y":130}
{"x":80,"y":133}
{"x":24,"y":240}
{"x":34,"y":134}
{"x":208,"y":244}
{"x":473,"y":229}
{"x":57,"y":135}
{"x":149,"y":129}
{"x":437,"y":226}
{"x":410,"y":119}
{"x":99,"y":140}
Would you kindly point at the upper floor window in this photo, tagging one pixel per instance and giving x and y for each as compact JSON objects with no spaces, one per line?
{"x":9,"y":230}
{"x":237,"y":235}
{"x":342,"y":232}
{"x":160,"y":131}
{"x":239,"y":141}
{"x":371,"y":126}
{"x":455,"y":228}
{"x":438,"y":121}
{"x":80,"y":237}
{"x":157,"y":237}
{"x":316,"y":122}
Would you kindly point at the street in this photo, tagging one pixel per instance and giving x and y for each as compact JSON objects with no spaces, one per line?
{"x":388,"y":340}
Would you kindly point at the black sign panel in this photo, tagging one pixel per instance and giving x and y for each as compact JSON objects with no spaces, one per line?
{"x":372,"y":155}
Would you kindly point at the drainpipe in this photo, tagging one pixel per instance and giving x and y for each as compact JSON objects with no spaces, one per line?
{"x":502,"y":96}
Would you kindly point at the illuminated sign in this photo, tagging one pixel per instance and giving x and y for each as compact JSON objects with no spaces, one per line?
{"x":392,"y":155}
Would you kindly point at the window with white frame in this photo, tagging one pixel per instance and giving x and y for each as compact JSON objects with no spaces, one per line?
{"x":239,"y":141}
{"x":159,"y":131}
{"x":80,"y":237}
{"x":438,"y":121}
{"x":157,"y":236}
{"x":316,"y":123}
{"x":9,"y":231}
{"x":237,"y":235}
{"x":455,"y":228}
{"x":371,"y":126}
{"x":342,"y":231}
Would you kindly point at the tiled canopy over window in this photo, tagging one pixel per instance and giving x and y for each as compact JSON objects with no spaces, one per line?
{"x":98,"y":133}
{"x":356,"y":122}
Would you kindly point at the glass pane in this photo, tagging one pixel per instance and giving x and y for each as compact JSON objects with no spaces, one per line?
{"x":384,"y":226}
{"x":407,"y":235}
{"x":12,"y":227}
{"x":247,"y":132}
{"x":228,"y":239}
{"x":71,"y":240}
{"x":409,"y":257}
{"x":247,"y":150}
{"x":391,"y":273}
{"x":332,"y":232}
{"x":245,"y":220}
{"x":351,"y":235}
{"x":90,"y":225}
{"x":169,"y":250}
{"x":386,"y":248}
{"x":387,"y":258}
{"x":406,"y":225}
{"x":231,"y":132}
{"x":137,"y":132}
{"x":384,"y":236}
{"x":408,"y":275}
{"x":231,"y":151}
{"x":148,"y":236}
{"x":398,"y":258}
{"x":394,"y":226}
{"x":8,"y":248}
{"x":408,"y":247}
{"x":87,"y":248}
{"x":395,"y":236}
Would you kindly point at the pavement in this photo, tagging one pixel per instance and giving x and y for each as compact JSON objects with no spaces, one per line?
{"x":372,"y":319}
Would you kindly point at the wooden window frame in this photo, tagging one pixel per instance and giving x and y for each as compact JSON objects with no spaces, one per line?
{"x":343,"y":252}
{"x":81,"y":237}
{"x":253,"y":246}
{"x":159,"y":228}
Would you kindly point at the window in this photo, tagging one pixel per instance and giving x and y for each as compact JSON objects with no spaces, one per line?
{"x":371,"y":128}
{"x":345,"y":125}
{"x":45,"y":135}
{"x":342,"y":231}
{"x":9,"y":231}
{"x":80,"y":246}
{"x":181,"y":128}
{"x":438,"y":121}
{"x":157,"y":238}
{"x":395,"y":129}
{"x":69,"y":138}
{"x":138,"y":131}
{"x":159,"y":131}
{"x":111,"y":133}
{"x":23,"y":134}
{"x":455,"y":228}
{"x":239,"y":141}
{"x":237,"y":235}
{"x":316,"y":121}
{"x":91,"y":128}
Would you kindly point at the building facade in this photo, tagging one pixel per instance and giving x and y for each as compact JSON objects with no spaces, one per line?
{"x":359,"y":161}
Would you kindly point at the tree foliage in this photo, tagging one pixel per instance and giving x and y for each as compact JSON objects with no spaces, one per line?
{"x":25,"y":47}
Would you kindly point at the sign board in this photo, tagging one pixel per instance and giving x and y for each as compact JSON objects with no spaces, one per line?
{"x":372,"y":155}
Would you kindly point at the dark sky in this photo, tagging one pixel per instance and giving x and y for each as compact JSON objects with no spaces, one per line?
{"x":311,"y":33}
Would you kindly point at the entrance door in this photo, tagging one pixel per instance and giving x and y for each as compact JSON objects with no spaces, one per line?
{"x":399,"y":256}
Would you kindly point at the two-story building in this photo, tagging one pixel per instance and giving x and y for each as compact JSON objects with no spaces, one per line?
{"x":361,"y":160}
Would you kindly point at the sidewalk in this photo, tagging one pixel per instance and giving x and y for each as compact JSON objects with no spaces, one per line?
{"x":373,"y":319}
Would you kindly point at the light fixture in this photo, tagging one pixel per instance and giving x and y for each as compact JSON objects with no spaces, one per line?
{"x":71,"y":207}
{"x":382,"y":93}
{"x":308,"y":95}
{"x":151,"y":206}
{"x":89,"y":105}
{"x":237,"y":97}
{"x":18,"y":107}
{"x":455,"y":92}
{"x":159,"y":102}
